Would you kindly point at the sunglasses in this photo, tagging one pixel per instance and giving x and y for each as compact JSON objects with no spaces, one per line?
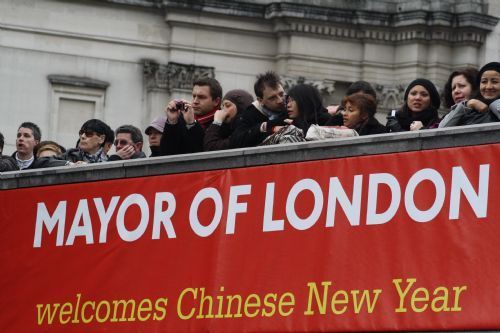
{"x":88,"y":133}
{"x":121,"y":142}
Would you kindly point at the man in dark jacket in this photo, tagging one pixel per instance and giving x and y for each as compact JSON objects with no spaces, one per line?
{"x":186,"y":121}
{"x":7,"y":163}
{"x":257,"y":122}
{"x":28,"y":136}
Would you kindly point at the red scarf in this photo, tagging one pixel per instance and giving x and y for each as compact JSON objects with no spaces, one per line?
{"x":206,"y":119}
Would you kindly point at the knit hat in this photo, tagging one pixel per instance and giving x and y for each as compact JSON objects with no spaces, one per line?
{"x":429,"y":86}
{"x":158,"y":124}
{"x":48,"y":145}
{"x":491,"y":66}
{"x":241,"y":98}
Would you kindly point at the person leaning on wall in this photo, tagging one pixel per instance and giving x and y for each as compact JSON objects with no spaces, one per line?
{"x":359,"y":114}
{"x":420,"y":108}
{"x":128,"y":143}
{"x":218,"y":134}
{"x":484,"y":107}
{"x":28,"y":136}
{"x":257,"y":122}
{"x":92,"y":139}
{"x":187,"y":120}
{"x":461,"y":86}
{"x":305,"y":108}
{"x":154,"y":132}
{"x":7,"y":163}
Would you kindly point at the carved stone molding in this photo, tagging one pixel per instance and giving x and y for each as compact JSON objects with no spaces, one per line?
{"x":173,"y":75}
{"x":326,"y":87}
{"x":390,"y":97}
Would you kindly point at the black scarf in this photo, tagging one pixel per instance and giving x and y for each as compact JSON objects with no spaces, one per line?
{"x":428,"y":117}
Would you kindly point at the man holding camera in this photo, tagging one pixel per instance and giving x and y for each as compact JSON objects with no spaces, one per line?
{"x":186,"y":121}
{"x":259,"y":119}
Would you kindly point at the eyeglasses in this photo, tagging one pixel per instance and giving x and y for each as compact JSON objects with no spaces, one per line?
{"x":87,"y":133}
{"x":287,"y":99}
{"x":121,"y":142}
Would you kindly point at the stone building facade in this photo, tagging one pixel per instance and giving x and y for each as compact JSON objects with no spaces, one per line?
{"x":65,"y":61}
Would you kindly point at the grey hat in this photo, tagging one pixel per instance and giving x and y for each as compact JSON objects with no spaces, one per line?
{"x":158,"y":124}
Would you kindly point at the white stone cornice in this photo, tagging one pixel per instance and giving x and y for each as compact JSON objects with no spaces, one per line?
{"x":377,"y":20}
{"x":440,"y":22}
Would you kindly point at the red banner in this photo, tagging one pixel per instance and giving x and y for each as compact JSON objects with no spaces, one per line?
{"x":405,"y":241}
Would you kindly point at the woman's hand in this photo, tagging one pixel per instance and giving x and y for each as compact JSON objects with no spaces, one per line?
{"x":477,"y":105}
{"x":416,"y":125}
{"x":220,"y":115}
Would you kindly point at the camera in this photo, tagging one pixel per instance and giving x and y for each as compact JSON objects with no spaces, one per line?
{"x":179,"y":105}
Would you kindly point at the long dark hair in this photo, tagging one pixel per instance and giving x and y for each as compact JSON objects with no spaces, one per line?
{"x":310,"y":105}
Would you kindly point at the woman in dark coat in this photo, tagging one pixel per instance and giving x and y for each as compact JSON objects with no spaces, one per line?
{"x":420,"y":109}
{"x":218,"y":134}
{"x":91,"y":143}
{"x":305,"y":107}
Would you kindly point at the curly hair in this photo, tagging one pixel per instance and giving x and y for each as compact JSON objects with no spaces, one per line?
{"x":470,"y":74}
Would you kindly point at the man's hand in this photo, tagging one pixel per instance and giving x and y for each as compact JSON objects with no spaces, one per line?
{"x":171,"y":112}
{"x":273,"y":123}
{"x":477,"y":105}
{"x":188,"y":113}
{"x":126,"y":152}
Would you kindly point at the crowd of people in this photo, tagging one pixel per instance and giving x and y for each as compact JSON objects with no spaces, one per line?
{"x":213,"y":121}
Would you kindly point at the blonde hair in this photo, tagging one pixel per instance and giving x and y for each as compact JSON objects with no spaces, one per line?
{"x":48,"y":146}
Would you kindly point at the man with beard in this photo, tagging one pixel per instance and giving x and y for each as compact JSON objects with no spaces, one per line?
{"x":257,"y":122}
